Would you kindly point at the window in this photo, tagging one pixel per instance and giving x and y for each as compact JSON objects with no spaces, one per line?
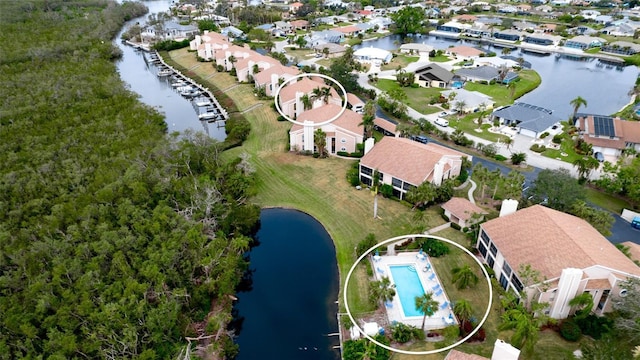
{"x":407,"y":186}
{"x":343,"y":140}
{"x":603,"y":299}
{"x":503,"y":281}
{"x":507,"y":269}
{"x":491,"y":261}
{"x":343,"y":149}
{"x":483,"y":250}
{"x":365,"y":180}
{"x":365,"y":170}
{"x":485,"y":238}
{"x":517,"y":283}
{"x":396,"y":183}
{"x":494,"y":249}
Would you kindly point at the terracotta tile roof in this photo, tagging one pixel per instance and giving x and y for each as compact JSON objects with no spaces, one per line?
{"x":598,"y":284}
{"x":348,"y":29}
{"x":304,"y":85}
{"x":459,"y":355}
{"x":625,"y":132}
{"x":385,"y":124}
{"x":464,"y":51}
{"x":264,"y":76}
{"x":353,"y":99}
{"x":634,"y":250}
{"x":630,"y":129}
{"x":465,"y":18}
{"x":462,"y":208}
{"x":256,"y":58}
{"x":214,"y":37}
{"x":349,"y":120}
{"x":551,"y":241}
{"x":406,"y":159}
{"x":299,"y":23}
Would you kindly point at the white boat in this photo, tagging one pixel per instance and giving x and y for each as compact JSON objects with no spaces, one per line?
{"x":179,"y":83}
{"x":165,"y":72}
{"x":203,"y":102}
{"x":207,"y":116}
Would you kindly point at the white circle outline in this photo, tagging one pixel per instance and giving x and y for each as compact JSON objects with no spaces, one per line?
{"x":428,"y":352}
{"x":344,"y":107}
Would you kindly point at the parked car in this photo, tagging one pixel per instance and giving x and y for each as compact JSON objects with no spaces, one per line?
{"x":420,"y":138}
{"x":442,"y":122}
{"x":444,"y":113}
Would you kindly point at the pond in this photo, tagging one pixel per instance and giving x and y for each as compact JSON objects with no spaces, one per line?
{"x":287,"y":307}
{"x":605,"y":87}
{"x":140,"y":76}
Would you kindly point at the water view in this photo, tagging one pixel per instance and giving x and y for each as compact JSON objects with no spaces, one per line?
{"x":606,"y":88}
{"x":287,"y":309}
{"x":180,"y":113}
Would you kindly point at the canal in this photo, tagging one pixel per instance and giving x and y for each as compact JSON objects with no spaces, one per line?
{"x":180,"y":113}
{"x":606,"y":88}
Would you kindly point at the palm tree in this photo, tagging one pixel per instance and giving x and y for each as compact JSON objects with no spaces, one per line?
{"x":463,"y":310}
{"x":321,"y":93}
{"x":426,"y":305}
{"x":526,"y":327}
{"x":464,"y":277}
{"x":583,"y":304}
{"x":459,"y":106}
{"x":506,"y":51}
{"x":382,"y":290}
{"x":320,"y":141}
{"x":306,"y":102}
{"x":577,"y":103}
{"x":508,"y":141}
{"x":585,"y":165}
{"x":518,"y":158}
{"x":232,"y":59}
{"x":368,"y":118}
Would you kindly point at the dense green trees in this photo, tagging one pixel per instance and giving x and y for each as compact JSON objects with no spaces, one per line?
{"x":114,"y":239}
{"x":408,"y":20}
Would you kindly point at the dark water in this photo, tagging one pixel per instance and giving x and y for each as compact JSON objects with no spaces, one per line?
{"x":606,"y":89}
{"x":180,"y":113}
{"x":289,"y":308}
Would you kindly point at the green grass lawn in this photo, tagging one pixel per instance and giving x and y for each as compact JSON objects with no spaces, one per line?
{"x":399,"y":60}
{"x":606,"y":201}
{"x":440,"y":58}
{"x":417,"y":98}
{"x":301,"y":54}
{"x":529,"y":80}
{"x":469,"y":125}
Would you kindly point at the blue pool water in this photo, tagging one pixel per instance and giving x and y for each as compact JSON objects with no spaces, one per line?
{"x":408,"y":286}
{"x":456,"y":84}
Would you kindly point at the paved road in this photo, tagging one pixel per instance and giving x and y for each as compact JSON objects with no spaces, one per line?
{"x":621,"y":229}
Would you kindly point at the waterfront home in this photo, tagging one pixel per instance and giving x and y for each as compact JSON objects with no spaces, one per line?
{"x":252,"y":65}
{"x":528,"y":120}
{"x":450,"y":29}
{"x":433,"y":75}
{"x":271,"y":78}
{"x":508,"y":35}
{"x":479,"y":30}
{"x":372,"y":55}
{"x":584,"y":42}
{"x":334,"y":50}
{"x":325,"y":36}
{"x":291,"y":96}
{"x":405,"y":164}
{"x":232,"y":32}
{"x":463,"y":212}
{"x":416,"y":49}
{"x":473,"y":100}
{"x":542,"y":39}
{"x":382,"y":23}
{"x":229,"y":53}
{"x":621,"y":48}
{"x":583,"y":30}
{"x":463,"y":52}
{"x":168,"y":30}
{"x":571,"y":256}
{"x":350,"y":31}
{"x":607,"y":135}
{"x":495,"y":62}
{"x":342,"y":135}
{"x":205,"y":45}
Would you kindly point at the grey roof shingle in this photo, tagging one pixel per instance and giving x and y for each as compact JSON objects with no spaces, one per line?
{"x":530,"y":117}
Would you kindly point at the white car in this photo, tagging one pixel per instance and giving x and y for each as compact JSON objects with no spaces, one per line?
{"x":442,"y":122}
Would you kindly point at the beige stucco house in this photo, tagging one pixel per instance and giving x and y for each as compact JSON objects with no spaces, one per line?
{"x":463,"y":212}
{"x":290,"y":97}
{"x":272,"y":77}
{"x":571,"y":256}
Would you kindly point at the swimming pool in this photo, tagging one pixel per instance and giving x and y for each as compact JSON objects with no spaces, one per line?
{"x":408,"y":286}
{"x":457,"y":84}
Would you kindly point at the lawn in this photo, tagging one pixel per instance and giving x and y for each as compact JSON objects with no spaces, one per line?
{"x":606,"y":201}
{"x":439,"y":58}
{"x":300,"y":54}
{"x":315,"y":186}
{"x":529,"y":80}
{"x":417,"y":98}
{"x":399,"y":60}
{"x":469,"y":125}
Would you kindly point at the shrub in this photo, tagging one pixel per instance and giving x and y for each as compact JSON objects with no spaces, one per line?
{"x":489,"y":150}
{"x":570,"y":331}
{"x":402,"y":333}
{"x":544,"y":135}
{"x":353,"y":175}
{"x":538,"y":148}
{"x":456,"y":226}
{"x":365,"y":244}
{"x":386,"y":190}
{"x":557,"y":139}
{"x":500,"y":157}
{"x":464,"y":175}
{"x":435,"y":248}
{"x":595,"y":326}
{"x":281,"y":118}
{"x":219,"y":68}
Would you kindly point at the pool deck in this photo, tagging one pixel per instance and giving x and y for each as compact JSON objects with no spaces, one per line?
{"x":429,"y":279}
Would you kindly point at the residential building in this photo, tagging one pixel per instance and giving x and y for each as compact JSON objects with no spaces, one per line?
{"x":252,"y":65}
{"x":355,"y":103}
{"x":229,"y":55}
{"x":350,"y":31}
{"x":621,"y":48}
{"x":485,"y":74}
{"x":501,"y":351}
{"x":463,"y":212}
{"x":169,"y":30}
{"x":208,"y":43}
{"x":232,"y":32}
{"x":433,"y":75}
{"x":325,"y":36}
{"x":386,"y":127}
{"x":508,"y":35}
{"x":291,"y":96}
{"x":404,"y":164}
{"x":272,"y":77}
{"x":451,"y":29}
{"x":372,"y":55}
{"x":584,"y":42}
{"x":529,"y":120}
{"x":472,"y":100}
{"x":302,"y":25}
{"x":608,"y":135}
{"x":343,"y":134}
{"x":416,"y":49}
{"x":463,"y":52}
{"x":334,"y":50}
{"x":542,"y":39}
{"x":570,"y":255}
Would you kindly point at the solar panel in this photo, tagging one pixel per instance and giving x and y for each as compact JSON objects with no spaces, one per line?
{"x":603,"y":126}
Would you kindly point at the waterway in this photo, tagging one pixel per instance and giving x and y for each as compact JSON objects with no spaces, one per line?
{"x":606,"y":88}
{"x":180,"y":113}
{"x":286,"y":309}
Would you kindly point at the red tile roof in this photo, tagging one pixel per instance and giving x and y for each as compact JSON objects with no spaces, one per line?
{"x":462,"y":208}
{"x":304,"y":85}
{"x":348,"y":29}
{"x":385,"y":124}
{"x":405,"y":159}
{"x":464,"y":51}
{"x":349,"y":120}
{"x":459,"y":355}
{"x":264,"y":76}
{"x":550,"y":241}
